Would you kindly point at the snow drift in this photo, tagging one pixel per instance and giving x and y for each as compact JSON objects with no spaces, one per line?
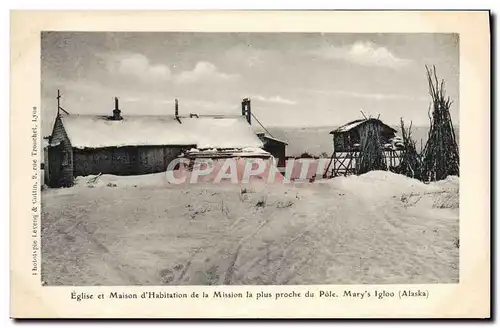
{"x":372,"y":229}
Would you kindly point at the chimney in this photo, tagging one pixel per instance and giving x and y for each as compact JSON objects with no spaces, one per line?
{"x":243,"y":107}
{"x":246,"y":110}
{"x":176,"y":108}
{"x":249,"y":112}
{"x":117,"y":112}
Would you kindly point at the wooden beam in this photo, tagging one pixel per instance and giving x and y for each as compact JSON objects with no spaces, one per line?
{"x":363,"y":114}
{"x":58,"y":101}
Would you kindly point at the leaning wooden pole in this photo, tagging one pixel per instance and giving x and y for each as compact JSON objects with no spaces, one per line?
{"x":411,"y":163}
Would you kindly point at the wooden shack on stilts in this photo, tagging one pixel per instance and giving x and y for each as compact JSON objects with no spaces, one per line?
{"x":361,"y":146}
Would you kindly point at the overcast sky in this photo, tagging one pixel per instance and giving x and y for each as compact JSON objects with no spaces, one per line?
{"x":307,"y":79}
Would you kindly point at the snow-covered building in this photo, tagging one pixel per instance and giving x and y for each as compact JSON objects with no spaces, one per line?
{"x":275,"y":147}
{"x":82,"y":145}
{"x":347,"y":137}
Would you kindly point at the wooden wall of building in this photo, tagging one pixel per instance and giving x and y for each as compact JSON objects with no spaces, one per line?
{"x":345,"y":141}
{"x":277,"y":149}
{"x":60,"y":157}
{"x":124,"y":160}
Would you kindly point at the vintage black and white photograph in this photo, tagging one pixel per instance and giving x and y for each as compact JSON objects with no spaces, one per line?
{"x":203,"y":158}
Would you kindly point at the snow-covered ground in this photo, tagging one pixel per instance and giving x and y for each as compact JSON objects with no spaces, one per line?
{"x":376,"y":228}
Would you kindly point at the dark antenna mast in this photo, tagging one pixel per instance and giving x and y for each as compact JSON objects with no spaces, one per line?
{"x":58,"y":101}
{"x":59,"y":108}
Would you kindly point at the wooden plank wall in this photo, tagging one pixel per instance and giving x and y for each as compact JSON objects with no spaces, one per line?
{"x":60,"y":157}
{"x":277,"y":149}
{"x":124,"y":160}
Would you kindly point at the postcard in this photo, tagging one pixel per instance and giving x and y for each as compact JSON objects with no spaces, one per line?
{"x":250,"y":164}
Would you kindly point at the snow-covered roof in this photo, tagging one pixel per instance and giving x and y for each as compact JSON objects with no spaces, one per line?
{"x":90,"y":131}
{"x":215,"y":153}
{"x":351,"y":125}
{"x":266,"y":136}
